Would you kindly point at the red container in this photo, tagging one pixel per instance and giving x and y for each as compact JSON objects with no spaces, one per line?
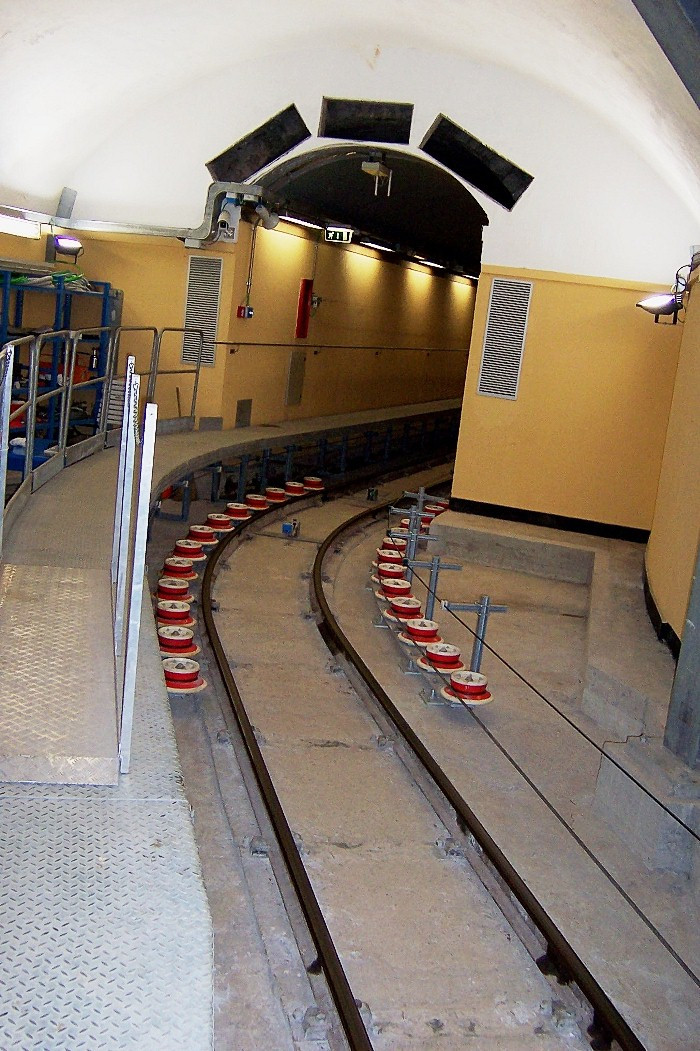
{"x":468,"y":683}
{"x":256,"y":501}
{"x":386,"y":554}
{"x":422,"y":630}
{"x":174,"y":612}
{"x":187,"y":548}
{"x":175,"y":566}
{"x":275,"y":495}
{"x":405,"y":607}
{"x":171,"y":587}
{"x":392,"y":543}
{"x":220,"y":523}
{"x":434,"y":509}
{"x":312,"y":482}
{"x":180,"y":671}
{"x":389,"y":570}
{"x":393,"y":587}
{"x":442,"y":655}
{"x":294,"y":488}
{"x":238,"y":511}
{"x":176,"y":640}
{"x":204,"y":534}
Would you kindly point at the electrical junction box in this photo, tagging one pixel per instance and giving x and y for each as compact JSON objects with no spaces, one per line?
{"x":244,"y":312}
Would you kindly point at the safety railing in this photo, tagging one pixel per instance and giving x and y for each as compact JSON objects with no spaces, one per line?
{"x":155,"y":371}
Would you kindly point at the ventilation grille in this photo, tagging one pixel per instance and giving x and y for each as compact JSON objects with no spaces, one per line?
{"x":202,"y":309}
{"x":504,"y":340}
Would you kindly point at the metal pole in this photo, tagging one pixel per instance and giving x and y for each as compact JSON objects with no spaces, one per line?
{"x":242,"y":477}
{"x":107,"y":385}
{"x":432,"y":589}
{"x":484,"y":608}
{"x":153,"y":371}
{"x":116,"y":532}
{"x":481,"y":623}
{"x":5,"y":404}
{"x":71,"y":349}
{"x":34,"y":353}
{"x":413,"y":527}
{"x":195,"y":386}
{"x":137,"y":574}
{"x":125,"y":525}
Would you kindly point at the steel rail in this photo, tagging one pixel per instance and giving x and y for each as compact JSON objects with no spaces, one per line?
{"x":338,"y":983}
{"x":605,"y":1011}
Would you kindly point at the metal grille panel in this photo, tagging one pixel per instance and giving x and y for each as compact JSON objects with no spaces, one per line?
{"x":504,"y":339}
{"x":202,"y":307}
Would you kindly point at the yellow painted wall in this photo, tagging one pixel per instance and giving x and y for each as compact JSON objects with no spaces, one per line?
{"x":672,"y":549}
{"x":367,"y":303}
{"x":585,"y":436}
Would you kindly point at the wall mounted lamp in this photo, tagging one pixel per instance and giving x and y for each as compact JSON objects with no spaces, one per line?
{"x":667,"y":304}
{"x":67,"y":246}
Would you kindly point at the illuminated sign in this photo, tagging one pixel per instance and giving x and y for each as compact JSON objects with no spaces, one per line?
{"x":339,"y":233}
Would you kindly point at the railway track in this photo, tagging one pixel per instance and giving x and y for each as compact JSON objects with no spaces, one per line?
{"x":434,"y":832}
{"x":413,"y":926}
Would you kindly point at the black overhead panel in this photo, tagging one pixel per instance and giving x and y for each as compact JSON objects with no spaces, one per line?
{"x":365,"y":121}
{"x":428,"y":211}
{"x":496,"y":176}
{"x":256,"y":150}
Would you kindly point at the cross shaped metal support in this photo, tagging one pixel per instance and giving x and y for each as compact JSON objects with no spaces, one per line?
{"x":484,"y":608}
{"x":435,"y":565}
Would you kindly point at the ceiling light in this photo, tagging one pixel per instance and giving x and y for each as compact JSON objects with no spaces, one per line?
{"x":68,"y":246}
{"x":11,"y":224}
{"x":379,"y":248}
{"x":301,"y":222}
{"x":427,"y":262}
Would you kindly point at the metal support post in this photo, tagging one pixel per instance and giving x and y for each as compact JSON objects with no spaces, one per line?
{"x":125,"y":515}
{"x":343,"y":454}
{"x":322,"y":450}
{"x":289,"y":462}
{"x":264,"y":464}
{"x":369,"y":441}
{"x":30,"y":418}
{"x":435,"y":566}
{"x":216,"y":471}
{"x":136,"y":597}
{"x":6,"y":363}
{"x":121,"y":470}
{"x":484,"y":608}
{"x":242,"y":477}
{"x":419,"y":497}
{"x":387,"y":442}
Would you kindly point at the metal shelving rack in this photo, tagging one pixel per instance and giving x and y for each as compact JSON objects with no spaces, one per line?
{"x":15,"y":297}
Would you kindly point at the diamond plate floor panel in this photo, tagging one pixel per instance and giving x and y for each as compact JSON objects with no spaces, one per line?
{"x":102,"y":923}
{"x":57,"y":718}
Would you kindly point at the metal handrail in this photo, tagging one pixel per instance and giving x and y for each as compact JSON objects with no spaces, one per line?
{"x":155,"y":358}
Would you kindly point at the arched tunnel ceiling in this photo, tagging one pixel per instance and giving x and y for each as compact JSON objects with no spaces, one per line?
{"x":428,"y":212}
{"x":579,"y":94}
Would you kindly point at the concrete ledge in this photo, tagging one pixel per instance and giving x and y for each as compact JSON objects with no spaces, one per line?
{"x":507,"y":550}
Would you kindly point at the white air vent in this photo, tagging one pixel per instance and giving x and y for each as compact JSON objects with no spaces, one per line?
{"x":504,"y":340}
{"x":202,"y":309}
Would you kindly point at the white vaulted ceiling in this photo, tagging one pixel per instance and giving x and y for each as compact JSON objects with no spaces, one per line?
{"x":126,"y":102}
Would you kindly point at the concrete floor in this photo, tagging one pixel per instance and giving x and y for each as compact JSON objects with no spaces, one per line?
{"x":313,"y":729}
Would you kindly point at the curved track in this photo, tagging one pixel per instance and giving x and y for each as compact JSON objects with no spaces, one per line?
{"x":262,"y":735}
